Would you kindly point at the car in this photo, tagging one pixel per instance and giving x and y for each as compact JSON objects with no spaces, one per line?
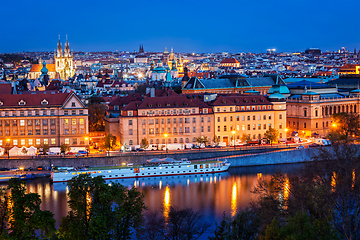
{"x":14,"y":169}
{"x":50,"y":153}
{"x":79,"y":155}
{"x":4,"y":169}
{"x":83,"y":152}
{"x":300,"y":147}
{"x":313,"y":145}
{"x":28,"y":169}
{"x":70,"y":153}
{"x":40,"y":168}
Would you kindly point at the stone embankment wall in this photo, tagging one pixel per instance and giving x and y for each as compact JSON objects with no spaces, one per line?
{"x":254,"y":157}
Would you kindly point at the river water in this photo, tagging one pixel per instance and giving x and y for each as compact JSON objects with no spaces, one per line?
{"x":211,"y":194}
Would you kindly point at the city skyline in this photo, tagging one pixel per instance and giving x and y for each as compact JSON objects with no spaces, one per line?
{"x":186,"y":27}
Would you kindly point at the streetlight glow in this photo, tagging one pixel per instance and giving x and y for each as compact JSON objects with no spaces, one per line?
{"x":165,"y":136}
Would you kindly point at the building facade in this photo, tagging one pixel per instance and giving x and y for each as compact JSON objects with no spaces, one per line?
{"x":64,"y":64}
{"x":181,"y":119}
{"x":253,"y":115}
{"x":39,"y":118}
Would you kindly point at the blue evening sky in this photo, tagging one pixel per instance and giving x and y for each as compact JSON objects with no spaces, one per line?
{"x":187,"y":26}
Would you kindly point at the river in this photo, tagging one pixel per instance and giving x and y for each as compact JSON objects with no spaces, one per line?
{"x":211,"y":194}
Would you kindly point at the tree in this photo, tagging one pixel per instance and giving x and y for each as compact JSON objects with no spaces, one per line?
{"x":44,"y":148}
{"x":109,"y":142}
{"x":345,"y":127}
{"x":96,"y":114}
{"x":64,"y":148}
{"x":24,"y":151}
{"x":26,"y":220}
{"x":201,"y":140}
{"x":216,"y":140}
{"x":100,"y":211}
{"x":144,"y":144}
{"x":245,"y":138}
{"x":271,"y":135}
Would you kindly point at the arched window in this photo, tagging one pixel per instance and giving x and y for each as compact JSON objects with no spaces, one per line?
{"x":187,"y":140}
{"x":175,"y":140}
{"x":339,"y":109}
{"x":181,"y":140}
{"x":163,"y":141}
{"x":151,"y":141}
{"x":131,"y":142}
{"x":169,"y":140}
{"x":330,"y":112}
{"x":354,"y":108}
{"x":194,"y":139}
{"x":347,"y":108}
{"x":157,"y":141}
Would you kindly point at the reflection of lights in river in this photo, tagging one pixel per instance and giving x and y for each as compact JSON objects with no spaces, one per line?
{"x":88,"y":204}
{"x":259,"y":175}
{"x":188,"y":182}
{"x":286,"y":191}
{"x":214,"y":179}
{"x":333,"y":181}
{"x":160,"y":184}
{"x":233,"y":200}
{"x":353,"y":178}
{"x":167,"y":203}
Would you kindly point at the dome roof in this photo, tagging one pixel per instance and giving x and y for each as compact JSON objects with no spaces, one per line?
{"x":159,"y":70}
{"x":276,"y":96}
{"x":44,"y":70}
{"x":282,"y":89}
{"x":253,"y":91}
{"x":355,"y":91}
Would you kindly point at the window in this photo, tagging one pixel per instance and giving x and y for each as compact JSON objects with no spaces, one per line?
{"x":52,"y":112}
{"x":30,"y":141}
{"x":67,"y":141}
{"x":316,"y":113}
{"x":225,"y":128}
{"x":248,"y":118}
{"x":73,"y":104}
{"x":22,"y":132}
{"x":130,"y":132}
{"x":316,"y":125}
{"x":193,"y":110}
{"x":66,"y":121}
{"x":175,"y":129}
{"x":52,"y":131}
{"x":73,"y":112}
{"x":180,"y":129}
{"x":280,"y":116}
{"x":168,"y":120}
{"x":187,"y":130}
{"x":304,"y":125}
{"x":248,"y":127}
{"x":73,"y":121}
{"x":202,"y":128}
{"x":73,"y":131}
{"x":15,"y":132}
{"x":14,"y":122}
{"x":144,"y":131}
{"x":37,"y":132}
{"x":46,"y":141}
{"x":130,"y":123}
{"x":81,"y":121}
{"x":208,"y":119}
{"x":37,"y":122}
{"x":254,"y":127}
{"x":224,"y":119}
{"x":243,"y":118}
{"x":37,"y":141}
{"x":180,"y":120}
{"x":81,"y":112}
{"x":194,"y":120}
{"x":264,"y":117}
{"x":22,"y":123}
{"x":45,"y":122}
{"x":208,"y":128}
{"x":151,"y":131}
{"x":237,"y":118}
{"x":218,"y":128}
{"x":151,"y":121}
{"x":218,"y":119}
{"x":1,"y":142}
{"x":254,"y":118}
{"x":52,"y":121}
{"x":187,"y":120}
{"x":174,"y":120}
{"x":143,"y":122}
{"x":305,"y":113}
{"x":66,"y":131}
{"x":74,"y":140}
{"x":30,"y":132}
{"x":66,"y":112}
{"x":53,"y":141}
{"x":259,"y":126}
{"x":194,"y":129}
{"x":269,"y":117}
{"x":280,"y":126}
{"x":82,"y":131}
{"x":15,"y":142}
{"x":45,"y":131}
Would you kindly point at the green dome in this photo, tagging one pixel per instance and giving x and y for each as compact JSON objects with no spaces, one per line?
{"x":310,"y":93}
{"x":277,"y":96}
{"x":44,"y":70}
{"x":280,"y":89}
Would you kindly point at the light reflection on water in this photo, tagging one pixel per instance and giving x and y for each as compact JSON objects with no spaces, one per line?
{"x":211,"y":194}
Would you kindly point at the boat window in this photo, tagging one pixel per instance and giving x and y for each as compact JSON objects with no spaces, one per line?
{"x":154,"y":167}
{"x":179,"y":166}
{"x":110,"y":176}
{"x":201,"y":166}
{"x":172,"y":167}
{"x":148,"y":173}
{"x":136,"y":170}
{"x":160,"y":172}
{"x":188,"y":165}
{"x":109,"y":171}
{"x":73,"y":173}
{"x":122,"y":175}
{"x":172,"y":172}
{"x":160,"y":167}
{"x":94,"y":172}
{"x":207,"y":165}
{"x":116,"y":175}
{"x":131,"y":169}
{"x":184,"y":171}
{"x":213,"y":170}
{"x":137,"y":174}
{"x":143,"y":174}
{"x":178,"y":171}
{"x":142,"y":169}
{"x":195,"y":166}
{"x":166,"y":167}
{"x":166,"y":172}
{"x":99,"y":171}
{"x":195,"y":170}
{"x":189,"y":170}
{"x":148,"y":168}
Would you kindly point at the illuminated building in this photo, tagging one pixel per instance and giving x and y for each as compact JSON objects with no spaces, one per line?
{"x":230,"y":62}
{"x":252,"y":115}
{"x":64,"y":64}
{"x":181,"y":118}
{"x":53,"y":118}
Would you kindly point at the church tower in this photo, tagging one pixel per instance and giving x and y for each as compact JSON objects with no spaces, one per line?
{"x":64,"y":64}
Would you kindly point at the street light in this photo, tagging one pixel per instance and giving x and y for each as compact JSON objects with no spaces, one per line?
{"x":88,"y":147}
{"x":8,"y":147}
{"x":233,"y":132}
{"x":165,"y":136}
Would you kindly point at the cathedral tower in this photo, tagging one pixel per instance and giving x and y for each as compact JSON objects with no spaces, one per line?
{"x":64,"y":64}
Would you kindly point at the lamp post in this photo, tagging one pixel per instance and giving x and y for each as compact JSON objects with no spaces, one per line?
{"x":233,"y":132}
{"x":88,"y":147}
{"x":165,"y":136}
{"x":8,"y":147}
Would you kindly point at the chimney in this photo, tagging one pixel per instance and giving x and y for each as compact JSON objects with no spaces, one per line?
{"x":152,"y":93}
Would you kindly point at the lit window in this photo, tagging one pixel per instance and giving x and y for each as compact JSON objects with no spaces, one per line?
{"x":30,"y":142}
{"x":1,"y":142}
{"x":67,"y":141}
{"x":37,"y":141}
{"x":66,"y":121}
{"x":22,"y":142}
{"x":81,"y":121}
{"x":53,"y":141}
{"x":15,"y":142}
{"x":73,"y":121}
{"x":46,"y":141}
{"x":22,"y":122}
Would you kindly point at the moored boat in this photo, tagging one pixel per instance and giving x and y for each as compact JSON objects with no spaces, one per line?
{"x":153,"y":168}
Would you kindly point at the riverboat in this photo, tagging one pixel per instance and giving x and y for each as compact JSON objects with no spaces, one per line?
{"x":153,"y":168}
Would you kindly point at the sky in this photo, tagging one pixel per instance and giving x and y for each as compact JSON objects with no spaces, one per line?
{"x":186,"y":26}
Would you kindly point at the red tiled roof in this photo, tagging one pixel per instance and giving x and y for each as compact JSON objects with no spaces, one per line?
{"x":38,"y":67}
{"x":5,"y":88}
{"x":241,"y":100}
{"x":166,"y":102}
{"x":229,"y":60}
{"x":32,"y":100}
